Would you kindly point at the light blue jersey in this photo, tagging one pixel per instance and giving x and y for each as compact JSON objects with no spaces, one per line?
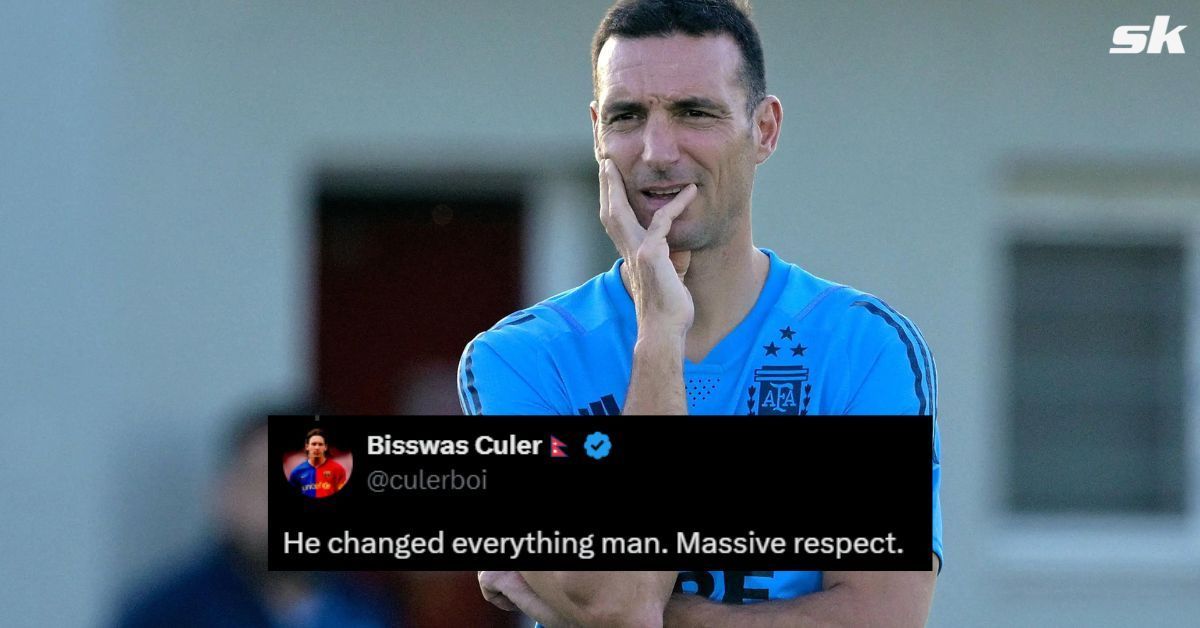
{"x":808,"y":346}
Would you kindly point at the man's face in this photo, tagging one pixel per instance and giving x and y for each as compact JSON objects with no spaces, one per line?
{"x":315,"y":447}
{"x":672,"y":111}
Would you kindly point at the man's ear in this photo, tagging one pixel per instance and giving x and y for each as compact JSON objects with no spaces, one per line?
{"x":768,"y":120}
{"x":594,"y":110}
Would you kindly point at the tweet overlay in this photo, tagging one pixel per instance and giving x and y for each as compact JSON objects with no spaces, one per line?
{"x":601,"y":493}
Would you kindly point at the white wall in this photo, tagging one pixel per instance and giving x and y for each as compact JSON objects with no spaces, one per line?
{"x":57,"y":354}
{"x":155,"y":189}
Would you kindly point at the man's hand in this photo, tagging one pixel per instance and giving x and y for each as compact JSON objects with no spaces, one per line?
{"x":654,"y":276}
{"x":652,"y":272}
{"x":509,"y":591}
{"x":609,"y":599}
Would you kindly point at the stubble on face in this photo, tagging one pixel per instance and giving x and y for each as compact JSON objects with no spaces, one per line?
{"x":726,"y":212}
{"x":689,"y":125}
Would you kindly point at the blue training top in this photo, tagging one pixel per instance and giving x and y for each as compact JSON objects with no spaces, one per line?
{"x":808,"y":346}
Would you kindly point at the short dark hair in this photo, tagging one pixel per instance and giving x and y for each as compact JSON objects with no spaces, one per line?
{"x":662,"y":18}
{"x":316,"y":431}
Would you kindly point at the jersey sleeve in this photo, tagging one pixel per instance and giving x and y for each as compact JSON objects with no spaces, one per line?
{"x":339,"y":479}
{"x":295,"y":478}
{"x":512,"y":382}
{"x":902,"y":379}
{"x":937,"y":498}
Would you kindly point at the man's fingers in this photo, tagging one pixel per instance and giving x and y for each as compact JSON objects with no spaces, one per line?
{"x":615,"y":212}
{"x":680,"y":260}
{"x":489,"y":584}
{"x":513,"y":588}
{"x":499,"y":601}
{"x":661,"y":223}
{"x":616,"y":192}
{"x":603,"y":191}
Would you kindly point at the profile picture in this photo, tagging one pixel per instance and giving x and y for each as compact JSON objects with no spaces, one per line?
{"x":319,"y":469}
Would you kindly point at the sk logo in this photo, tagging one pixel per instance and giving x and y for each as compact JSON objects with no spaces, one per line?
{"x":1129,"y":40}
{"x":556,"y":448}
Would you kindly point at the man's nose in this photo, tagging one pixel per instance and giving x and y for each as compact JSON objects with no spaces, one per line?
{"x":660,"y":147}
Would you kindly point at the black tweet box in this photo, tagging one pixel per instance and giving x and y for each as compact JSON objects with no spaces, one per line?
{"x":690,"y":492}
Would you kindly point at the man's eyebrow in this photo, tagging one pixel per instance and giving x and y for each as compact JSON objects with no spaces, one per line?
{"x":619,"y":107}
{"x":698,"y":102}
{"x":616,"y":108}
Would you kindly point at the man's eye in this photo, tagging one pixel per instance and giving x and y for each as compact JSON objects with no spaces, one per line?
{"x":696,"y":113}
{"x":622,"y":117}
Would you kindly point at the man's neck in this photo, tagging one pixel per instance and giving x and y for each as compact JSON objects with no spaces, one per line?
{"x":725,"y":283}
{"x":316,"y":462}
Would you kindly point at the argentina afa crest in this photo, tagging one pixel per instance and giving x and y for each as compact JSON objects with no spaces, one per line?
{"x":783,"y":389}
{"x":779,"y":391}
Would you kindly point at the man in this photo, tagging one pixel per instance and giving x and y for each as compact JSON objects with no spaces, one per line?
{"x":318,"y":476}
{"x":695,"y":319}
{"x":227,"y":583}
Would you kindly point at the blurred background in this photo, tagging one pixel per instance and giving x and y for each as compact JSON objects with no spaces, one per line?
{"x":210,"y":206}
